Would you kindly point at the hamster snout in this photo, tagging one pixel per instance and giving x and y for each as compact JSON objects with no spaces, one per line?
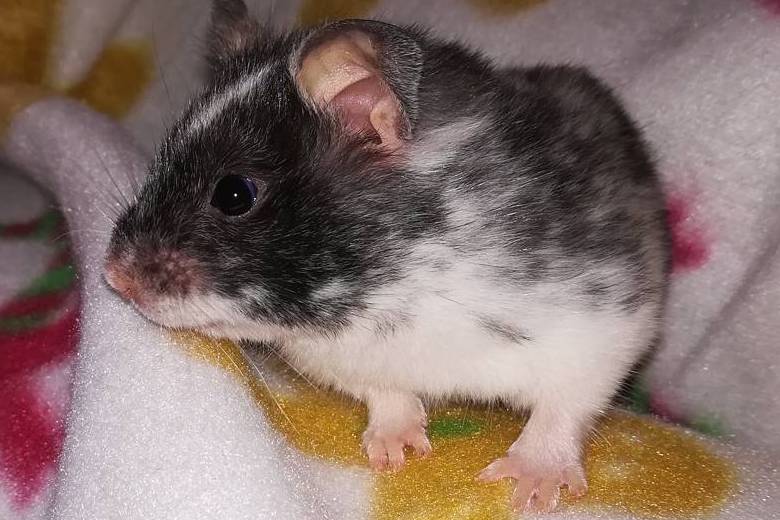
{"x":147,"y":275}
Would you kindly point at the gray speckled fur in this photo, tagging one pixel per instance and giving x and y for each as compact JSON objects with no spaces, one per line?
{"x":557,"y":177}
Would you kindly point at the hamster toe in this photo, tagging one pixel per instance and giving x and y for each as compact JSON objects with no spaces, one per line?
{"x":575,"y":481}
{"x":385,"y":449}
{"x":537,"y":487}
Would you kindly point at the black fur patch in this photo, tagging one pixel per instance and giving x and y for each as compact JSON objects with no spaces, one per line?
{"x":561,"y":179}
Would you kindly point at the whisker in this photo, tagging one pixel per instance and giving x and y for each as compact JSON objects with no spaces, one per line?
{"x":298,"y":372}
{"x":265,"y":383}
{"x":106,"y":216}
{"x":268,"y":355}
{"x":251,"y":362}
{"x":160,"y":70}
{"x":99,"y":232}
{"x":119,"y":190}
{"x":111,"y":200}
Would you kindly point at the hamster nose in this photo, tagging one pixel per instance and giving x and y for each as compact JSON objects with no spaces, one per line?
{"x":123,"y":284}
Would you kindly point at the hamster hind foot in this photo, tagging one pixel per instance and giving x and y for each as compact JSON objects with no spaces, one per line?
{"x":537,"y":486}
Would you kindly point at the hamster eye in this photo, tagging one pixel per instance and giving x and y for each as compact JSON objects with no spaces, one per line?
{"x":234,"y":195}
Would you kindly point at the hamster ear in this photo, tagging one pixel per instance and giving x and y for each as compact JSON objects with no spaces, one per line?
{"x":232,"y":29}
{"x":366,"y":73}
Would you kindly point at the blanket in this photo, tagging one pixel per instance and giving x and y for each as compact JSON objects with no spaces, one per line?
{"x":145,"y":425}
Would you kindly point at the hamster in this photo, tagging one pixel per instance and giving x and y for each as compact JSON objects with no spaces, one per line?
{"x":409,"y":223}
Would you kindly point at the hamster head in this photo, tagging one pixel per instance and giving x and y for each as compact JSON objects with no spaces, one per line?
{"x":280,"y":197}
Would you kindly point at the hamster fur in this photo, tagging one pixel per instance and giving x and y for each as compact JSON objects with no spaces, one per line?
{"x":425,"y":225}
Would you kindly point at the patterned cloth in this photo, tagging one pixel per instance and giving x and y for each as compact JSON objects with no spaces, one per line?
{"x":38,"y":336}
{"x":701,"y":76}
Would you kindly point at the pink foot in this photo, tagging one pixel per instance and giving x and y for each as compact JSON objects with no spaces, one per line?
{"x":537,"y":487}
{"x":385,"y":447}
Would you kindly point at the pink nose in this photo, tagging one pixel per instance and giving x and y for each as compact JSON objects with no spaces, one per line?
{"x":123,"y":284}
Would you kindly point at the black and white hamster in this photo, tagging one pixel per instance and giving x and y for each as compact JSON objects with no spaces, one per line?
{"x":408,"y":222}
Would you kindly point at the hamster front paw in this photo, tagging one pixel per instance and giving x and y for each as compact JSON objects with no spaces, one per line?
{"x":537,"y":486}
{"x":395,"y":420}
{"x":385,"y":447}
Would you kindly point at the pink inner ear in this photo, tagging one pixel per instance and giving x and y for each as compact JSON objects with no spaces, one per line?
{"x":368,"y":107}
{"x":341,"y":75}
{"x":355,"y":103}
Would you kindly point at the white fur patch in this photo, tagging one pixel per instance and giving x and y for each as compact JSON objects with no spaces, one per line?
{"x":193,"y":311}
{"x":255,"y":294}
{"x":213,"y":315}
{"x":444,"y":349}
{"x":220,"y":101}
{"x":329,"y":291}
{"x":439,"y":146}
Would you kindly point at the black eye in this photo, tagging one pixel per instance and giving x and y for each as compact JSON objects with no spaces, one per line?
{"x":234,"y":195}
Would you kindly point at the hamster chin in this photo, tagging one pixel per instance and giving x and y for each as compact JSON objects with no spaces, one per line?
{"x":195,"y":311}
{"x":210,"y":314}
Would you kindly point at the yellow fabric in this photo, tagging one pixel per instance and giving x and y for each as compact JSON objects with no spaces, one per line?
{"x":28,"y":29}
{"x":117,"y":79}
{"x":313,"y":12}
{"x":635,"y":465}
{"x":504,"y":7}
